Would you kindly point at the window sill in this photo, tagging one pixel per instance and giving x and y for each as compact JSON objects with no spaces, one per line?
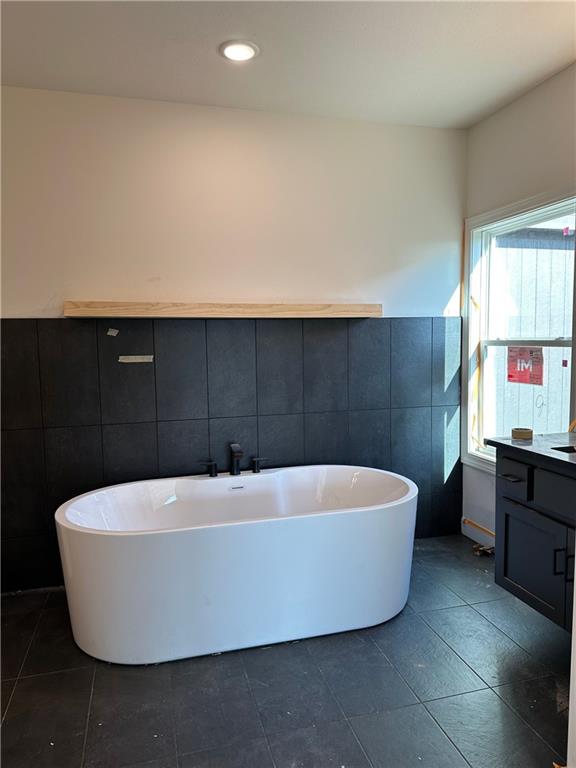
{"x":483,"y":463}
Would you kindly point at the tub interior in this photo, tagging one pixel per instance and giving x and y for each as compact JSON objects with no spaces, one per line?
{"x":188,"y":502}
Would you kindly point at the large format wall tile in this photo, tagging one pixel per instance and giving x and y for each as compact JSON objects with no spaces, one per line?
{"x":446,"y":514}
{"x":281,"y":440}
{"x":181,"y":369}
{"x":231,"y":367}
{"x":183,"y":446}
{"x":73,"y":462}
{"x":369,"y":360}
{"x":23,"y":483}
{"x":20,"y":375}
{"x":411,"y":362}
{"x":446,"y":470}
{"x":292,"y":391}
{"x":446,"y":352}
{"x":242,"y":430}
{"x":370,"y":438}
{"x":326,"y":438}
{"x":128,"y":389}
{"x":69,"y":372}
{"x":29,"y":562}
{"x":280,"y":371}
{"x":411,"y":445}
{"x":424,"y":516}
{"x":325,"y":365}
{"x":130,"y":452}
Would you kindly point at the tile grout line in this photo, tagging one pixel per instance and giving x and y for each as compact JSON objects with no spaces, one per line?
{"x":26,"y":653}
{"x":99,"y":379}
{"x":156,"y":421}
{"x":55,"y":671}
{"x":518,"y":715}
{"x":255,"y":703}
{"x":204,"y":418}
{"x":422,"y":618}
{"x":445,"y":584}
{"x":420,"y":701}
{"x":304,"y":420}
{"x":258,"y":452}
{"x":88,"y":713}
{"x":463,"y":660}
{"x":344,"y":715}
{"x":45,"y":494}
{"x":511,"y":638}
{"x":547,"y":673}
{"x":173,"y":721}
{"x":210,"y":456}
{"x":446,"y":734}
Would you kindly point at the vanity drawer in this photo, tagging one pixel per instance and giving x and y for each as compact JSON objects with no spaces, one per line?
{"x":514,"y":479}
{"x":555,"y":493}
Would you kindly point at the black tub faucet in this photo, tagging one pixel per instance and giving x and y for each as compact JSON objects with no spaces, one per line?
{"x":236,"y":454}
{"x":257,"y":462}
{"x":211,"y":467}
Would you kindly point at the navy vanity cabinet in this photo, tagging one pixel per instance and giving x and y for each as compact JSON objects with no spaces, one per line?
{"x":536,"y":523}
{"x":532,"y":559}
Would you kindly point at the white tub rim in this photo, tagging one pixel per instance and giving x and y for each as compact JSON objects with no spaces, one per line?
{"x":62,"y":520}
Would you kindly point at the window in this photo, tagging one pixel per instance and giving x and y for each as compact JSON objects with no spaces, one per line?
{"x":519,"y":359}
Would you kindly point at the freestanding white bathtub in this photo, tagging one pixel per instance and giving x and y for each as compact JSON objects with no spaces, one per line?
{"x":165,"y":569}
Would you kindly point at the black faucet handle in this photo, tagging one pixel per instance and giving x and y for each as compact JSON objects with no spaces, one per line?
{"x":211,"y":466}
{"x":257,"y":461}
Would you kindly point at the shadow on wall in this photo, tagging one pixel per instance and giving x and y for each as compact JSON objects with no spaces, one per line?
{"x":379,"y":392}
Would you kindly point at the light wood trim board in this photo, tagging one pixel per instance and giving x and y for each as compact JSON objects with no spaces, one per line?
{"x":184,"y":309}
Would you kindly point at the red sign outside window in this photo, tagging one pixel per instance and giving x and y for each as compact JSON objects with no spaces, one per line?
{"x":525,"y":365}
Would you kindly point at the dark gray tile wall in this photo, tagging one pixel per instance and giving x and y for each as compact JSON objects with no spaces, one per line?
{"x":382,"y":393}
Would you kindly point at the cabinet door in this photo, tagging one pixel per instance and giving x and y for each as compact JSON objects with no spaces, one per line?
{"x":570,"y":580}
{"x":531,"y":558}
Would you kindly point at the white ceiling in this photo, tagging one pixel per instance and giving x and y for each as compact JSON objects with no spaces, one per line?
{"x":419,"y":63}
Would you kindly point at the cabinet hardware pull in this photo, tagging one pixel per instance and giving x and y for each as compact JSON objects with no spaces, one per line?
{"x":556,"y":553}
{"x":569,"y":579}
{"x":510,"y":478}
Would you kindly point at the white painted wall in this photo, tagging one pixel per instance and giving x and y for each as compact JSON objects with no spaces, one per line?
{"x":525,"y":150}
{"x":109,"y":198}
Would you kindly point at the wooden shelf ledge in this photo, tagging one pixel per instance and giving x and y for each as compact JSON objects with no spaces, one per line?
{"x":214,"y":309}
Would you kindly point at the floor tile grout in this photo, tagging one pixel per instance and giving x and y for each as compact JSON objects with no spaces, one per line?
{"x":513,"y":640}
{"x":344,"y":715}
{"x":420,"y":701}
{"x":517,"y":714}
{"x":88,"y":711}
{"x":253,"y":698}
{"x":55,"y":671}
{"x":492,"y":688}
{"x":477,"y":674}
{"x":18,"y":676}
{"x":446,"y":734}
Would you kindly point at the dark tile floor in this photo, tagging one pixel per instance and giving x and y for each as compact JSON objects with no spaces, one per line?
{"x":466,"y":676}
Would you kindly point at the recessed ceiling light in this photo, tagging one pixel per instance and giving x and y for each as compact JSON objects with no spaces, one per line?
{"x":239,"y":50}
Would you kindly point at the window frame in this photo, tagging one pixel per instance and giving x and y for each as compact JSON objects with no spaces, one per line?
{"x":499,"y":215}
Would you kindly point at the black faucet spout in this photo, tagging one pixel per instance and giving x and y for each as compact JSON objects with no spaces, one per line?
{"x":236,"y":454}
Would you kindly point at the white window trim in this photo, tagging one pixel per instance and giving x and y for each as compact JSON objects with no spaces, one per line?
{"x":487,"y":464}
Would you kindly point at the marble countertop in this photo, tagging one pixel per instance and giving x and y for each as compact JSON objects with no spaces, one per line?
{"x":542,"y":445}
